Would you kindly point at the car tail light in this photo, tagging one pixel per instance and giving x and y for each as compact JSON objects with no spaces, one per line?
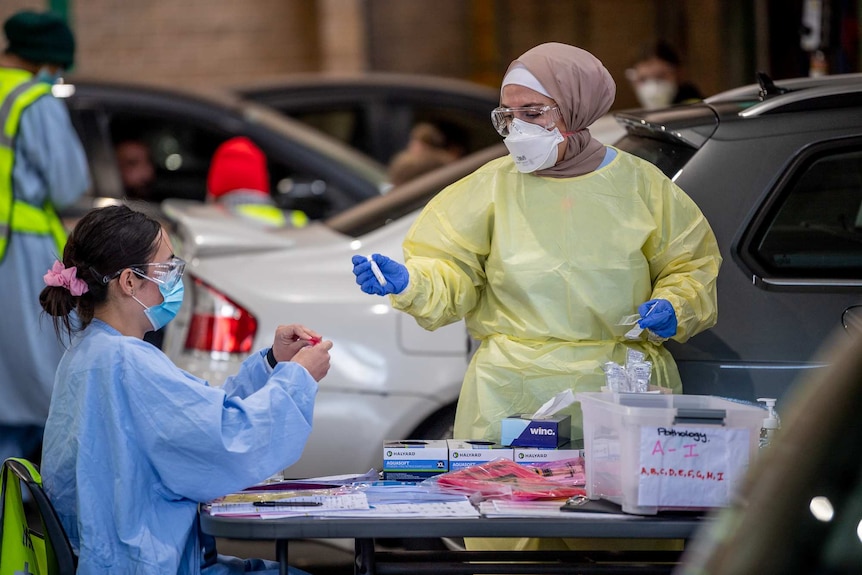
{"x":218,"y":324}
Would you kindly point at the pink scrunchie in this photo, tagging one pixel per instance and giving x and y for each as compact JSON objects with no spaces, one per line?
{"x":61,"y":276}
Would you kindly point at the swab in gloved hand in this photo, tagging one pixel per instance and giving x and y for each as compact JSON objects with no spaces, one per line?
{"x":658,"y":316}
{"x":377,"y":273}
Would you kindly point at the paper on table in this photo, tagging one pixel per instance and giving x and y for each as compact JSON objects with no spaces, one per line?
{"x":504,"y":508}
{"x":370,"y":475}
{"x":555,"y":404}
{"x":454,"y":509}
{"x":329,"y":503}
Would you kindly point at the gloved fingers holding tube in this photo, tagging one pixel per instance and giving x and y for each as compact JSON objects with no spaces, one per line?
{"x":658,"y":316}
{"x":380,"y":275}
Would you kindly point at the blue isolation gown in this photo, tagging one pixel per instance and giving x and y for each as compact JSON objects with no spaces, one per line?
{"x":133,"y":444}
{"x":50,"y":165}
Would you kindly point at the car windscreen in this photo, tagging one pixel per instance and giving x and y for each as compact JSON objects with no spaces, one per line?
{"x":669,"y":156}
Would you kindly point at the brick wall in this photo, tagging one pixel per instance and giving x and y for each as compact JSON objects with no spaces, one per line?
{"x":194,"y":41}
{"x":224,"y":42}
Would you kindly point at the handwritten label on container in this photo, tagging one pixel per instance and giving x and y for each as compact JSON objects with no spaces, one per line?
{"x":684,"y":466}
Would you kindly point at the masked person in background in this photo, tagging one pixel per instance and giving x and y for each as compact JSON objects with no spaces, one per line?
{"x":239,"y":180}
{"x":657,"y":78}
{"x":132,"y":442}
{"x":544,"y":251}
{"x":42,"y":168}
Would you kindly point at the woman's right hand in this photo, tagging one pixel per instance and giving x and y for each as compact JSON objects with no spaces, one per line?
{"x":393,"y":276}
{"x":315,"y":359}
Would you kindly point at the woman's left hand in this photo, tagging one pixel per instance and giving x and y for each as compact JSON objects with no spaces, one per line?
{"x":289,"y":339}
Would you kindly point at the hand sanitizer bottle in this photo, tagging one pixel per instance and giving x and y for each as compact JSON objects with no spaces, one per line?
{"x":770,"y":422}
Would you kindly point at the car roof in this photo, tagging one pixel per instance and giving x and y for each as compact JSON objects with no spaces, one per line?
{"x":329,"y":84}
{"x":750,"y":92}
{"x":230,"y":109}
{"x":694,"y":124}
{"x":410,"y":196}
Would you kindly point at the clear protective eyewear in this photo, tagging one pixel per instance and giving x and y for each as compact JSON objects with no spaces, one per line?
{"x":163,"y":273}
{"x":546,"y":116}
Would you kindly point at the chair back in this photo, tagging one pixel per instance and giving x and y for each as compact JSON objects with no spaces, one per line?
{"x":24,"y":548}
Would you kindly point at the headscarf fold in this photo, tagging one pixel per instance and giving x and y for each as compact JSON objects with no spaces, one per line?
{"x":583,"y":90}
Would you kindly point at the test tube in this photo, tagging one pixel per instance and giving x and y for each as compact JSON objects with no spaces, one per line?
{"x":377,"y":273}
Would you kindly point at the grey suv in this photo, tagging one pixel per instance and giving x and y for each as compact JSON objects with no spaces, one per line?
{"x":776,"y":168}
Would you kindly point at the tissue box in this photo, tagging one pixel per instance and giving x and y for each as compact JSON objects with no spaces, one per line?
{"x":464,"y":453}
{"x":551,"y":432}
{"x":414,"y":459}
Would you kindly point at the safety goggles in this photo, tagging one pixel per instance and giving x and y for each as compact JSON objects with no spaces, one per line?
{"x":546,"y":116}
{"x":163,"y":273}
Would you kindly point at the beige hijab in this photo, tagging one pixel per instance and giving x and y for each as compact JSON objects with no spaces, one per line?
{"x":583,"y":90}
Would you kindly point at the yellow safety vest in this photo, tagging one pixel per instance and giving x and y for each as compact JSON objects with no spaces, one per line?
{"x":18,"y":89}
{"x":272,"y":216}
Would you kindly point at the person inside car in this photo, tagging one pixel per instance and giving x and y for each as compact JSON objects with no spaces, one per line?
{"x":133,"y":443}
{"x":429,"y":147}
{"x":238,"y":179}
{"x":137,"y":169}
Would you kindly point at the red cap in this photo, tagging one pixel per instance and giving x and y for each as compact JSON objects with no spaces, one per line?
{"x":237,"y":164}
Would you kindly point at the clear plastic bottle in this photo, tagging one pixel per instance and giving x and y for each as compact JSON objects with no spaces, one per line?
{"x":770,"y":423}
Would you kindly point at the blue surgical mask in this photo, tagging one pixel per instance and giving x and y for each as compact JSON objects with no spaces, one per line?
{"x":160,"y":315}
{"x":46,"y":76}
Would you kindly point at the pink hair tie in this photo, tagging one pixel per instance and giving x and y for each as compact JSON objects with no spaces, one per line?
{"x":61,"y":276}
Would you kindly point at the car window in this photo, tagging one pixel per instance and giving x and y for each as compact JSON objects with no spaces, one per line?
{"x":376,"y":118}
{"x":347,"y":124}
{"x":669,"y":156}
{"x":181,"y":151}
{"x":815,"y":228}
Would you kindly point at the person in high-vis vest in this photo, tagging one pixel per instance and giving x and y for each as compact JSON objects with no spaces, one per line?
{"x":43,"y":169}
{"x":239,"y":180}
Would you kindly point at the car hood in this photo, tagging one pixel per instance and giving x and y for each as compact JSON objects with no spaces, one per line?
{"x":209,"y":230}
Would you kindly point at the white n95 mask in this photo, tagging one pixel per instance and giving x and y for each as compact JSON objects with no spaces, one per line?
{"x":532,"y":147}
{"x":654,"y":94}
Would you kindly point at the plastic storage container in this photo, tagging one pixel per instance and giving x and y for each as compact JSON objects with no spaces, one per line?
{"x":657,"y":452}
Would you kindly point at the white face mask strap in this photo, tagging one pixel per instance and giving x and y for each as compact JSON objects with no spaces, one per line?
{"x":140,"y":302}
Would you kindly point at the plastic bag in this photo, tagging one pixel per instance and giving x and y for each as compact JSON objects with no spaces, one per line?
{"x":564,"y":471}
{"x":501,"y":479}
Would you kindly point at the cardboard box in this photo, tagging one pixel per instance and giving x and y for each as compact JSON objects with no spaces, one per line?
{"x":465,"y":452}
{"x":552,"y":432}
{"x":527,"y":455}
{"x":655,"y":452}
{"x":414,"y":459}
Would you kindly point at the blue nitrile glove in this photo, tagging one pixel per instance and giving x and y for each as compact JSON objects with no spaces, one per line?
{"x":394,"y":273}
{"x":658,"y":316}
